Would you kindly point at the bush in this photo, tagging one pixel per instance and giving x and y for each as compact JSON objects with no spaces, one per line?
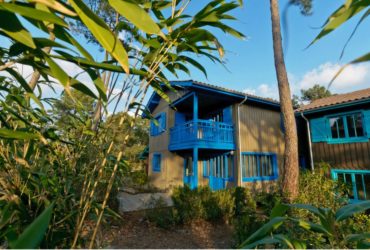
{"x":160,"y":214}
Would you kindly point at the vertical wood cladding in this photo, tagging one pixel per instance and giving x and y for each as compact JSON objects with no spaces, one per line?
{"x":343,"y":155}
{"x":260,"y":131}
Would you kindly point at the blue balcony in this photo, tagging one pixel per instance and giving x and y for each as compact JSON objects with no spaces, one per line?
{"x":202,"y":134}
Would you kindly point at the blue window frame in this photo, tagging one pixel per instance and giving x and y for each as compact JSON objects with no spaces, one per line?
{"x":157,"y":129}
{"x":347,"y":127}
{"x":221,"y":166}
{"x":358,"y":182}
{"x":341,"y":128}
{"x":157,"y":162}
{"x":259,"y":166}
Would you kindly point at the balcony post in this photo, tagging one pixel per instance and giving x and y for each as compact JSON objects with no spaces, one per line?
{"x":195,"y":167}
{"x":195,"y":115}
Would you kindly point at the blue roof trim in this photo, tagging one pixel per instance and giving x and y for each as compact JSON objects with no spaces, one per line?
{"x":332,"y":107}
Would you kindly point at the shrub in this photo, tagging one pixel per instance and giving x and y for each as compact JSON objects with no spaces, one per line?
{"x":160,"y":214}
{"x":188,"y":203}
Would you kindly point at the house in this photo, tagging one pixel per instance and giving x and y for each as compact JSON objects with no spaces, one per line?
{"x":336,"y":130}
{"x":208,"y":135}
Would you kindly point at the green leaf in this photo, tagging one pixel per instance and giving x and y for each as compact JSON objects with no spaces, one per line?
{"x":20,"y":79}
{"x":34,"y":233}
{"x":263,"y":231}
{"x":351,"y":209}
{"x":102,"y":33}
{"x":18,"y":135}
{"x":33,"y":13}
{"x":268,"y":240}
{"x":279,"y":210}
{"x":11,"y":26}
{"x":340,"y":16}
{"x":310,"y":208}
{"x":137,"y":15}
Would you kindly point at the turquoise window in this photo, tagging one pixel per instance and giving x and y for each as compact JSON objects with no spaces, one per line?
{"x":346,"y":126}
{"x":258,"y":166}
{"x":160,"y":127}
{"x":341,"y":128}
{"x":357,"y":181}
{"x":157,"y":162}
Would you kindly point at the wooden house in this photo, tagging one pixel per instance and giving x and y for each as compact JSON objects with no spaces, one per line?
{"x":213,"y":136}
{"x":336,"y":130}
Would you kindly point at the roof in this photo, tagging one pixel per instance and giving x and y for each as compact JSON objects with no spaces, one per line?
{"x":226,"y":90}
{"x":333,"y":101}
{"x":154,"y":99}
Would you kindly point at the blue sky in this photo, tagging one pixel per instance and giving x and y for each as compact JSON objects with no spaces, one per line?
{"x":250,"y":62}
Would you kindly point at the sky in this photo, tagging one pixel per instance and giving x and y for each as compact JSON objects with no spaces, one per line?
{"x":249,"y":64}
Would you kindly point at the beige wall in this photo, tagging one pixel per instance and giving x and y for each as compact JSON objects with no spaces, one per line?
{"x":171,"y":173}
{"x":259,"y":132}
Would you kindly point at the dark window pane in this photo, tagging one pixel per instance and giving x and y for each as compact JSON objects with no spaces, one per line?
{"x":358,"y":122}
{"x":341,"y":132}
{"x":367,"y":186}
{"x":348,"y":180}
{"x":351,"y":126}
{"x":333,"y":127}
{"x":360,"y":188}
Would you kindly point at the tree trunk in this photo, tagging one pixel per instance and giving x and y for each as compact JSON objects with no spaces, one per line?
{"x":291,"y":169}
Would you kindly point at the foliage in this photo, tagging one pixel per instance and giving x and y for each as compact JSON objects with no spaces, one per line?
{"x":162,"y":215}
{"x":202,"y":203}
{"x":314,"y":93}
{"x":342,"y":15}
{"x":331,"y":227}
{"x":56,"y":156}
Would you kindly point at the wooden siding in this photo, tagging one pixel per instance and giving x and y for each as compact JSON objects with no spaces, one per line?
{"x":260,"y":131}
{"x":171,"y":174}
{"x":343,"y":155}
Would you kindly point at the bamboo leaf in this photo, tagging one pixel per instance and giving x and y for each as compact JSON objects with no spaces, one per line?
{"x":12,"y":27}
{"x":55,"y":5}
{"x":340,"y":16}
{"x":102,"y":33}
{"x":18,"y":135}
{"x":33,"y":13}
{"x":138,"y":16}
{"x":34,"y":233}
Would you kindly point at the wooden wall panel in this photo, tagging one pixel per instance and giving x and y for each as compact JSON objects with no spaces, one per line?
{"x":343,"y":156}
{"x":260,"y":131}
{"x":171,"y":174}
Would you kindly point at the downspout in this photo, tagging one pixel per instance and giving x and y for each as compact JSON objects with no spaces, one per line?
{"x":239,"y":141}
{"x":309,"y":140}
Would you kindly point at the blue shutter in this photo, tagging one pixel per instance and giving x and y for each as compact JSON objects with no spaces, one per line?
{"x":228,"y":115}
{"x":162,"y":124}
{"x":152,"y":128}
{"x":156,"y":163}
{"x":179,"y":118}
{"x":319,"y":129}
{"x":367,"y":122}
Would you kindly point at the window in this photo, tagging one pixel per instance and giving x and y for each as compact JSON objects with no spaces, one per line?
{"x":157,"y":162}
{"x":221,"y":166}
{"x":341,"y":128}
{"x":259,"y":166}
{"x":160,"y":127}
{"x":357,"y":181}
{"x":346,"y":126}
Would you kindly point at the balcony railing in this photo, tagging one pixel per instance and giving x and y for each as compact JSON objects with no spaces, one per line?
{"x":204,"y":134}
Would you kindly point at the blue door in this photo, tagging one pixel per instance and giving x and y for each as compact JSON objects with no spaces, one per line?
{"x":190,"y":177}
{"x":217,"y":172}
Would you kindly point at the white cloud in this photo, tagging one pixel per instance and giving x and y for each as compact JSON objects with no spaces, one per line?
{"x":264,"y":90}
{"x":353,"y":77}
